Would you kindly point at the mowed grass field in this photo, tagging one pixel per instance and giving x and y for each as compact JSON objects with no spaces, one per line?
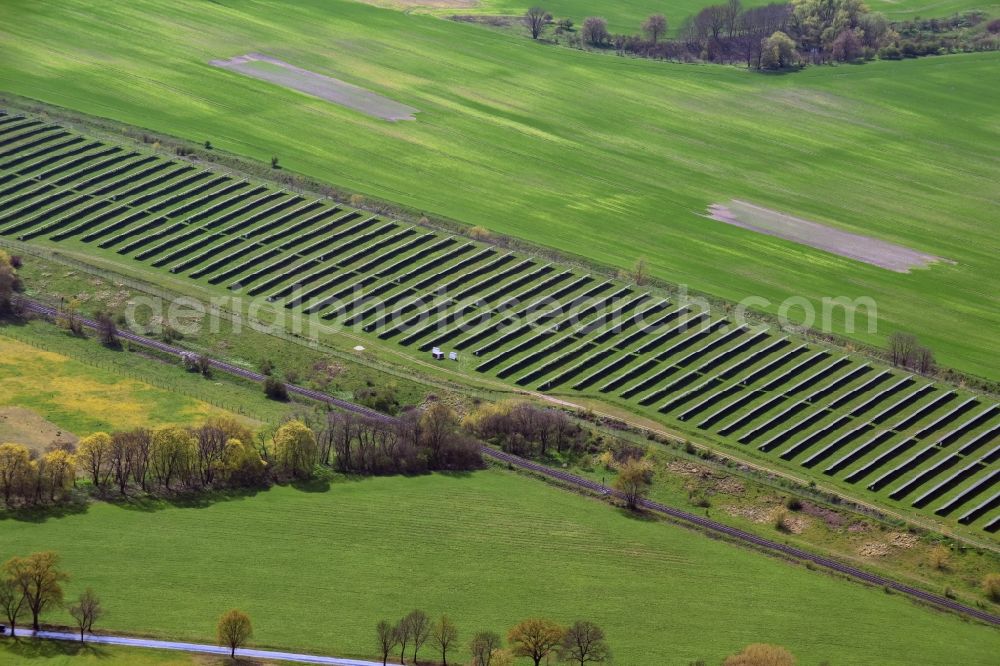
{"x":608,"y":158}
{"x":626,"y":16}
{"x":316,"y":569}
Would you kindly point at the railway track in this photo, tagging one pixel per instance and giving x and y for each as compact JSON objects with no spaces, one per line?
{"x":706,"y":524}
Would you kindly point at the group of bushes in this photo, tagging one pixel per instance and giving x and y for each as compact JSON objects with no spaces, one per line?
{"x":524,"y":430}
{"x":783,"y":35}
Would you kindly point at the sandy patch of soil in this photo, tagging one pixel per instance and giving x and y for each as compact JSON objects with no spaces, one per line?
{"x":903,"y":540}
{"x":829,"y":239}
{"x":793,"y":523}
{"x":279,"y":72}
{"x":24,"y":426}
{"x":689,"y":469}
{"x":423,"y":4}
{"x":730,"y":486}
{"x":874,"y":550}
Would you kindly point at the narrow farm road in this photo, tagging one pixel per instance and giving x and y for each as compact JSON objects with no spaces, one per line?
{"x":711,"y":526}
{"x":201,"y":648}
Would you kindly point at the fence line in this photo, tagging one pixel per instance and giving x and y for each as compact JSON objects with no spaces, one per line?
{"x":122,"y":369}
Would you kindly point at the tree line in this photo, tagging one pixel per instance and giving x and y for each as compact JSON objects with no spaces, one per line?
{"x":777,"y":35}
{"x":224,"y":453}
{"x":582,"y":642}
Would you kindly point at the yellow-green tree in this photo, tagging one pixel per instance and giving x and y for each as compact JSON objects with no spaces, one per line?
{"x":633,"y":481}
{"x":242,"y":464}
{"x":93,"y":453}
{"x":535,"y":638}
{"x":234,"y":630}
{"x":15,"y":467}
{"x":173,"y":450}
{"x":40,"y":580}
{"x":295,"y":451}
{"x":58,"y":470}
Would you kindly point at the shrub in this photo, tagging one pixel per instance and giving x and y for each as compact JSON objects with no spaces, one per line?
{"x":991,"y":585}
{"x":794,"y":504}
{"x":208,"y":145}
{"x":781,"y":521}
{"x":938,"y":558}
{"x":275,"y":389}
{"x":274,"y":162}
{"x":204,"y":365}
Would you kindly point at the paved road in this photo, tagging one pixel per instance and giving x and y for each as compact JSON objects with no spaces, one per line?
{"x":592,"y":486}
{"x":196,"y":647}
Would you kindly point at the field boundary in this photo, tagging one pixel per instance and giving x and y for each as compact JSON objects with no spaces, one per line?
{"x":233,"y":164}
{"x":710,"y":525}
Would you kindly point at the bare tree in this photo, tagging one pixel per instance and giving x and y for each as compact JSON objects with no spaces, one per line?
{"x":444,"y":634}
{"x":655,"y":27}
{"x":403,"y":634}
{"x":901,"y":347}
{"x":234,"y":630}
{"x":420,"y":629}
{"x":86,"y":611}
{"x":385,"y":634}
{"x":11,"y":601}
{"x":482,"y":647}
{"x":731,"y":14}
{"x":107,"y":330}
{"x":595,"y":30}
{"x":536,"y":18}
{"x":584,"y":644}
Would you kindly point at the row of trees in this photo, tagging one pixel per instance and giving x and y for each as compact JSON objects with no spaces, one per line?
{"x":774,"y":36}
{"x":416,"y":442}
{"x":223,"y":453}
{"x":582,"y":642}
{"x":905,"y":351}
{"x":32,"y":585}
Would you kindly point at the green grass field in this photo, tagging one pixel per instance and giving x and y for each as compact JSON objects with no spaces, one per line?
{"x":83,"y":398}
{"x":607,"y":158}
{"x":316,"y":569}
{"x":627,"y":16}
{"x":56,"y":653}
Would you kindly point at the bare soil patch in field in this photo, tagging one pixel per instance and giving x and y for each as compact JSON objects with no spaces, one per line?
{"x":424,"y":4}
{"x":281,"y":73}
{"x":24,"y":426}
{"x":853,"y":246}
